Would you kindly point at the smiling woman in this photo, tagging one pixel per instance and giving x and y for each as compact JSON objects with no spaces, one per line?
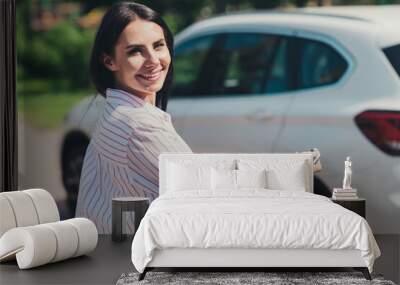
{"x":141,"y":59}
{"x":131,"y":67}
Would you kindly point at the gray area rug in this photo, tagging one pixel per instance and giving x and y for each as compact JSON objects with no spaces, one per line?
{"x":233,"y":278}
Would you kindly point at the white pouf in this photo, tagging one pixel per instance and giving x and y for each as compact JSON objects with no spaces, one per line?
{"x":40,"y":244}
{"x":31,"y":233}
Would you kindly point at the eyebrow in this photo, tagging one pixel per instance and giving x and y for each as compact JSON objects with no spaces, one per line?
{"x":138,"y":45}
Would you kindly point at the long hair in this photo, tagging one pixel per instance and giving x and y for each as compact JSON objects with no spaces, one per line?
{"x":113,"y":23}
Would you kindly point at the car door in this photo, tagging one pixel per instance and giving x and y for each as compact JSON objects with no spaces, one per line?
{"x":187,"y":66}
{"x":320,"y":115}
{"x":233,"y":100}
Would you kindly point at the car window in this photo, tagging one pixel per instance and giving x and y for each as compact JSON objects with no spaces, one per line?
{"x":393,"y":55}
{"x":243,"y":61}
{"x":278,"y":78}
{"x":189,"y":59}
{"x":318,"y":64}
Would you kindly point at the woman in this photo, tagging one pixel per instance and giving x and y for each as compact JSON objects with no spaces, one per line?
{"x":131,"y":66}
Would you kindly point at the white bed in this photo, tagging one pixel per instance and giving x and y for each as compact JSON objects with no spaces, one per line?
{"x":280,"y":225}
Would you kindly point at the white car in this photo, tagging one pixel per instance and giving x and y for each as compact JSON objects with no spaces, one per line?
{"x":284,"y":82}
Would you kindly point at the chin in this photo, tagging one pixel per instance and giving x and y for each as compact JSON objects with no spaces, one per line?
{"x":153,"y":88}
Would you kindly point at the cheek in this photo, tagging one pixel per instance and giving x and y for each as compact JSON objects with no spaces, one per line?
{"x":165,"y":59}
{"x":133,"y":63}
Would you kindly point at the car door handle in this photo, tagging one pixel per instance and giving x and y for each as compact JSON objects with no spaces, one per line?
{"x":260,"y":116}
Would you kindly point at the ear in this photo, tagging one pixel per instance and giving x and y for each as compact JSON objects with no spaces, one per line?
{"x":108,"y":62}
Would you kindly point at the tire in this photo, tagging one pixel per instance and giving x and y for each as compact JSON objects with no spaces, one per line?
{"x":73,"y":154}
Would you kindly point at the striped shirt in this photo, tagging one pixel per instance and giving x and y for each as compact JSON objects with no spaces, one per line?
{"x":122,"y":157}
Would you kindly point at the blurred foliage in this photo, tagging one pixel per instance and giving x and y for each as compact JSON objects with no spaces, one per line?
{"x":46,"y":111}
{"x":60,"y":53}
{"x":51,"y":60}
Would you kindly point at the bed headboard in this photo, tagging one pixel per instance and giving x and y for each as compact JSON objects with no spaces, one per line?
{"x":217,"y":158}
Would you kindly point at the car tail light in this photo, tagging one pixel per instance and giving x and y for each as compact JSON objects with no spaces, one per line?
{"x":382,"y":128}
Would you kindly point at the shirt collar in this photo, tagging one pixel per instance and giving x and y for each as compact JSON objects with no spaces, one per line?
{"x":121,"y":97}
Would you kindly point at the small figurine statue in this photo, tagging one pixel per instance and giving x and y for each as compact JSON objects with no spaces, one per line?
{"x":347,"y":174}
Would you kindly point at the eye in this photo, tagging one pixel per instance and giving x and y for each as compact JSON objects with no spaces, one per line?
{"x":159,"y":45}
{"x":134,"y":51}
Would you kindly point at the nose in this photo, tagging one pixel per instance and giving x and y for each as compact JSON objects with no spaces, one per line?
{"x":151,"y":59}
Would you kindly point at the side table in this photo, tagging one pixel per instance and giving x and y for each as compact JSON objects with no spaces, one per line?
{"x":138,"y":205}
{"x":357,"y":205}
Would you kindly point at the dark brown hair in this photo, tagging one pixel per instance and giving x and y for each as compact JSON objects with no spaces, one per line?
{"x":113,"y":23}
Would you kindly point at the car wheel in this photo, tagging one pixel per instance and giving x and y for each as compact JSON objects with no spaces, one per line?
{"x":73,"y":153}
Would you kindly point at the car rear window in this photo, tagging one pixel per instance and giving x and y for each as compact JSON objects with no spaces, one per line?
{"x":393,"y":54}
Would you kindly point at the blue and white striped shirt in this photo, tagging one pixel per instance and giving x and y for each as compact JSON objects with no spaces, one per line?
{"x":122,"y":156}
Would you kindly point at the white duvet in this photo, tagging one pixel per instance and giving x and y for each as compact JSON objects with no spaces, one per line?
{"x":250,"y":219}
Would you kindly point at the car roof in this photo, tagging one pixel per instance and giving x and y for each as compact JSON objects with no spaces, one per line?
{"x":383,"y":21}
{"x":377,"y":14}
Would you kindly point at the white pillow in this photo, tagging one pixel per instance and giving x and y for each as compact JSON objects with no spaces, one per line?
{"x":251,"y":178}
{"x":223,"y":179}
{"x":282,"y":174}
{"x":188,"y":177}
{"x":227,"y":179}
{"x":293,"y":179}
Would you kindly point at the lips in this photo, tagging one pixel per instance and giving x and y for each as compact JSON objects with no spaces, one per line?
{"x":153,"y":76}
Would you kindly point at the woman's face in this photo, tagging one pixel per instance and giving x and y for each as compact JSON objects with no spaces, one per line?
{"x":141,"y":58}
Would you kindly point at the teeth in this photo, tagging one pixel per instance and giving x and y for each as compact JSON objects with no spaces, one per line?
{"x":152,"y":75}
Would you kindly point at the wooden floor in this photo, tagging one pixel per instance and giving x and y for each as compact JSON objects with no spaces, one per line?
{"x":110,"y":259}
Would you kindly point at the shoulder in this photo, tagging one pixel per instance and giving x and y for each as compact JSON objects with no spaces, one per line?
{"x":130,"y":122}
{"x":136,"y":116}
{"x":124,"y":119}
{"x":142,"y":119}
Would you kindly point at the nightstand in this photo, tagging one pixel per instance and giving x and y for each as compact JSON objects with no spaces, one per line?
{"x":357,"y":205}
{"x":138,"y":205}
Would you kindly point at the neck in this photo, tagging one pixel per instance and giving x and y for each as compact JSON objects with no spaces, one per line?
{"x":150,"y":99}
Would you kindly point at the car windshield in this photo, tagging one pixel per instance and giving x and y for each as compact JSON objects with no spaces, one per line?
{"x":393,"y":54}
